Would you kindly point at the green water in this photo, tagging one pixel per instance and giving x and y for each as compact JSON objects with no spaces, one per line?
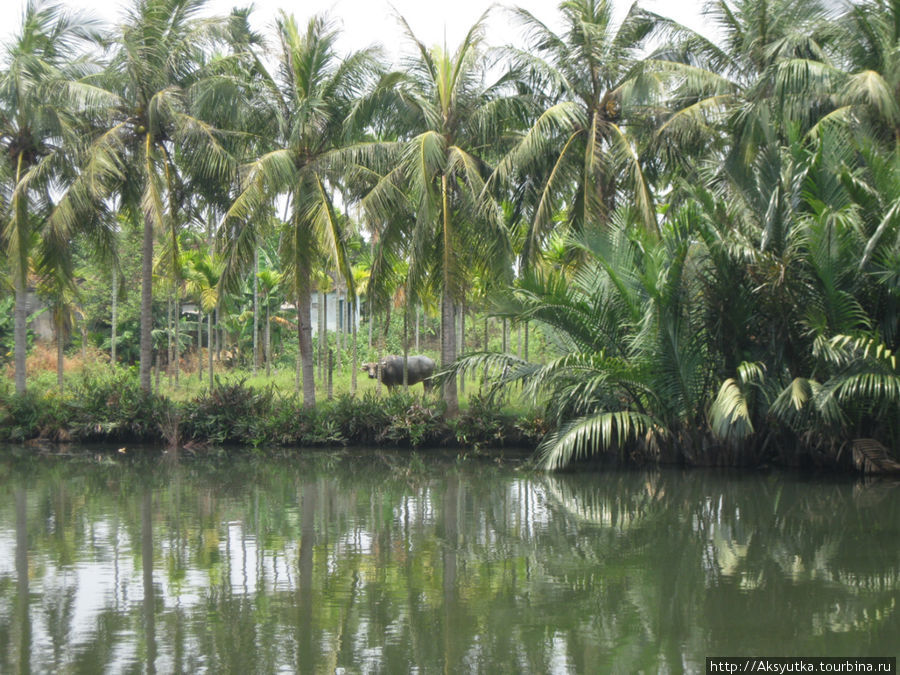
{"x":367,"y":562}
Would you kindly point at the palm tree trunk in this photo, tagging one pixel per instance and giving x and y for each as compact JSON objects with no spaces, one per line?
{"x":339,"y":329}
{"x":305,"y":349}
{"x":462,"y":341}
{"x":324,"y":340}
{"x":146,"y":351}
{"x":59,"y":353}
{"x":355,"y":353}
{"x":218,"y":333}
{"x":484,"y":376}
{"x":298,"y":362}
{"x":448,"y":332}
{"x":199,"y":345}
{"x":169,"y":356}
{"x":268,"y":344}
{"x":321,"y":352}
{"x":256,"y":313}
{"x":417,"y":328}
{"x":209,"y":340}
{"x":405,"y":344}
{"x":115,"y":309}
{"x":177,"y":346}
{"x":20,"y":332}
{"x":448,"y":351}
{"x":20,"y":314}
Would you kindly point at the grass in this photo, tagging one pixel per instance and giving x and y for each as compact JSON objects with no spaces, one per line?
{"x":102,"y":403}
{"x":282,"y":381}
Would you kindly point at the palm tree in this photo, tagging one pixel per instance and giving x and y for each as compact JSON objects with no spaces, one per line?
{"x":57,"y":286}
{"x":871,"y":31}
{"x":821,"y":330}
{"x":154,"y":122}
{"x":202,"y":281}
{"x":578,"y":150}
{"x":269,"y":281}
{"x":42,"y":88}
{"x":310,"y":99}
{"x":774,"y":71}
{"x":429,"y":200}
{"x":635,"y":365}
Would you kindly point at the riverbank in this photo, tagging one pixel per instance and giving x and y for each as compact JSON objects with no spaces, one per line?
{"x":102,"y":406}
{"x":109,"y":407}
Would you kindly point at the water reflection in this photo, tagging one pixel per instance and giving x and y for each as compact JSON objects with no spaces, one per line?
{"x":344,"y":561}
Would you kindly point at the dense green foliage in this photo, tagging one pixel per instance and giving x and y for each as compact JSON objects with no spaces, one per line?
{"x":703,"y":233}
{"x":109,"y":406}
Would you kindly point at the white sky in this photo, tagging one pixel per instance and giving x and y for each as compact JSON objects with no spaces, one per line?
{"x":365,"y":22}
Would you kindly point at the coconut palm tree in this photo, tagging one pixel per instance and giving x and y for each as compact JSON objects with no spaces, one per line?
{"x":578,"y":150}
{"x":429,"y":200}
{"x":42,"y":89}
{"x":311,"y":98}
{"x":871,"y":33}
{"x":774,"y":71}
{"x":155,"y":126}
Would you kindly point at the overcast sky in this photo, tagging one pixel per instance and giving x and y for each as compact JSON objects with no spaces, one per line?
{"x":365,"y":22}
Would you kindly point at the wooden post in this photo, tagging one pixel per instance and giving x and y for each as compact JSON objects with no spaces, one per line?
{"x":330,"y":374}
{"x":526,"y":341}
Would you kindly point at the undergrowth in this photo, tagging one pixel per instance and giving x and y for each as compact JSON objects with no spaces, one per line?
{"x":105,"y":405}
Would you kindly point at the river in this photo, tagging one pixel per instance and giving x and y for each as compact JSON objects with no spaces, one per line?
{"x":370,"y":561}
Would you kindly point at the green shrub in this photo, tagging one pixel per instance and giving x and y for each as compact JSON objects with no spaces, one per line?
{"x":34,"y":414}
{"x":106,"y":404}
{"x":288,"y":423}
{"x":109,"y":404}
{"x":230,"y":412}
{"x":362,"y":419}
{"x":412,"y":423}
{"x":483,"y":423}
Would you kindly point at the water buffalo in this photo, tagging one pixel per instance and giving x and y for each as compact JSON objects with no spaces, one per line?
{"x":420,"y":369}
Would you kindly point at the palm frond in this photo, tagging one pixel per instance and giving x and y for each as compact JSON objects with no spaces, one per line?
{"x":594,"y":434}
